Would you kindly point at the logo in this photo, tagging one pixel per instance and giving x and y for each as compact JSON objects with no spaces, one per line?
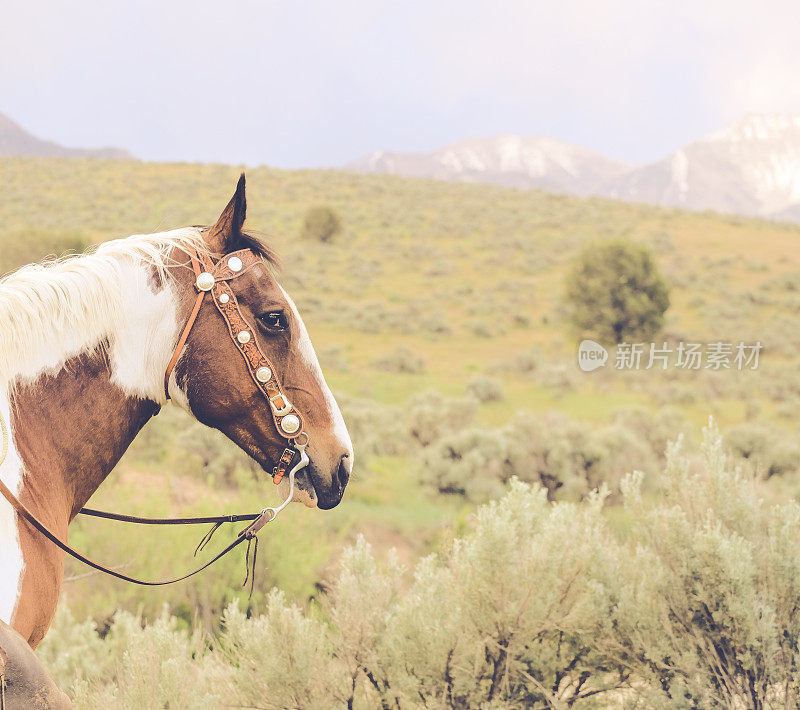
{"x":591,"y":355}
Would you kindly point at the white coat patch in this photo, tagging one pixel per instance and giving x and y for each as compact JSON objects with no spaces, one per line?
{"x":11,"y":562}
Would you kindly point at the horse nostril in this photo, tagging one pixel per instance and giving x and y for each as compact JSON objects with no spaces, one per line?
{"x":342,"y":474}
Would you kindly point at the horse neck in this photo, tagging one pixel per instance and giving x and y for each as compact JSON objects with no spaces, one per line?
{"x":70,"y":430}
{"x":72,"y":424}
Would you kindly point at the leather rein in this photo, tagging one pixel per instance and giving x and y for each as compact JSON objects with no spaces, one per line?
{"x":213,"y":279}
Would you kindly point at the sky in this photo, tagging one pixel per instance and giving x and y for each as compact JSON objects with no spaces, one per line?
{"x":317,"y":84}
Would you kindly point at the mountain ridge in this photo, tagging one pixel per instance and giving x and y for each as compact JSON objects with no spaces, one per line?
{"x":509,"y":160}
{"x":16,"y":141}
{"x":751,"y":167}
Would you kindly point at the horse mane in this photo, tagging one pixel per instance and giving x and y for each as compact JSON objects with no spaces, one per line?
{"x":61,"y":307}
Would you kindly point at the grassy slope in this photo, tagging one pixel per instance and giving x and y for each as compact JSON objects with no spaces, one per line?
{"x":467,"y":276}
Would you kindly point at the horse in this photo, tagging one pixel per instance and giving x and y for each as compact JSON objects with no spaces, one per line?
{"x":86,"y":342}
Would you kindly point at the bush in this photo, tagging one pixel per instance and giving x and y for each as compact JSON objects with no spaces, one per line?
{"x":615,"y":292}
{"x":485,"y":389}
{"x":281,"y":659}
{"x":568,"y":458}
{"x":539,"y":605}
{"x":471,"y":463}
{"x":655,"y":429}
{"x":321,"y":223}
{"x":429,"y":416}
{"x":191,"y":448}
{"x":710,"y":614}
{"x":133,"y":666}
{"x":767,"y":451}
{"x":208,"y":451}
{"x":401,"y":360}
{"x":376,"y":429}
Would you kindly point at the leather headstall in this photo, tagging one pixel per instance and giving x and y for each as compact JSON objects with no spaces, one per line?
{"x":214,"y":279}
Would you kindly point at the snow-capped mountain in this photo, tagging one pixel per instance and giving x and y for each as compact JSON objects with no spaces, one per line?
{"x":508,"y":160}
{"x":15,"y":140}
{"x":752,"y":167}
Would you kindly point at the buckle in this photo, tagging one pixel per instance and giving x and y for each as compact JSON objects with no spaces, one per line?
{"x":283,"y":466}
{"x":280,"y":405}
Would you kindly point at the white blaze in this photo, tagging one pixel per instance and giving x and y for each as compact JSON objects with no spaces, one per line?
{"x":310,"y":357}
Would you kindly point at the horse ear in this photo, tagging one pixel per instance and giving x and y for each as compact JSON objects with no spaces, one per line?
{"x":228,"y":229}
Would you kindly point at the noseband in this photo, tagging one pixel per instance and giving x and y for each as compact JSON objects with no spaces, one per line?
{"x":214,"y":279}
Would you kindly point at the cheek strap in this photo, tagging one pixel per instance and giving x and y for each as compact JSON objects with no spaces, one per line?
{"x":198,"y":301}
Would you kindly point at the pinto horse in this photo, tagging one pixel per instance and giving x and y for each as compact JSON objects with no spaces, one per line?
{"x":86,"y":342}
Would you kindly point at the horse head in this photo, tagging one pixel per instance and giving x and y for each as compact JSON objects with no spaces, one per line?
{"x":212,"y":381}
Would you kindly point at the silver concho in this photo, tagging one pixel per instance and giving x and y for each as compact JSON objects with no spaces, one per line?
{"x":263,"y":374}
{"x":205,"y":281}
{"x":224,"y":298}
{"x":243,"y":337}
{"x":290,"y":423}
{"x":235,"y":263}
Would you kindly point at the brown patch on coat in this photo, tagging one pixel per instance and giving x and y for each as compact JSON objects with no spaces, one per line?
{"x":70,"y":430}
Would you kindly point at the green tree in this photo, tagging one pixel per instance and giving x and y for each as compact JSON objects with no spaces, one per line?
{"x":615,"y":292}
{"x":321,"y":223}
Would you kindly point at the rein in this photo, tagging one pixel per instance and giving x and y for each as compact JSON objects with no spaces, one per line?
{"x":210,"y":279}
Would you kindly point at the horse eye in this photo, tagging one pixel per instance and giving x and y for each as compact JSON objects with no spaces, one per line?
{"x":274,"y":320}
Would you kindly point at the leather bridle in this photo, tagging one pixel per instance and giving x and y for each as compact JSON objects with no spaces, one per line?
{"x":213,"y":279}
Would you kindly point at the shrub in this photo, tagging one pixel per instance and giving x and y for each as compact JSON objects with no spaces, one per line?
{"x":282,"y":659}
{"x":321,"y":223}
{"x":430,"y":415}
{"x":568,"y":458}
{"x":376,"y":429}
{"x":485,"y":389}
{"x":656,"y":429}
{"x":192,"y":448}
{"x":538,"y":605}
{"x":714,"y":575}
{"x":208,"y":451}
{"x":401,"y":360}
{"x":615,"y":292}
{"x":471,"y":463}
{"x":502,"y":619}
{"x":524,"y":362}
{"x":133,"y":666}
{"x":766,"y":449}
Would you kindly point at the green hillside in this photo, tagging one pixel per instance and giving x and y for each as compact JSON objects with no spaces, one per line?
{"x":437,"y":314}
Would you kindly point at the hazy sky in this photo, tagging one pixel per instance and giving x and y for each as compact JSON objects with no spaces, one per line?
{"x":298,"y":83}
